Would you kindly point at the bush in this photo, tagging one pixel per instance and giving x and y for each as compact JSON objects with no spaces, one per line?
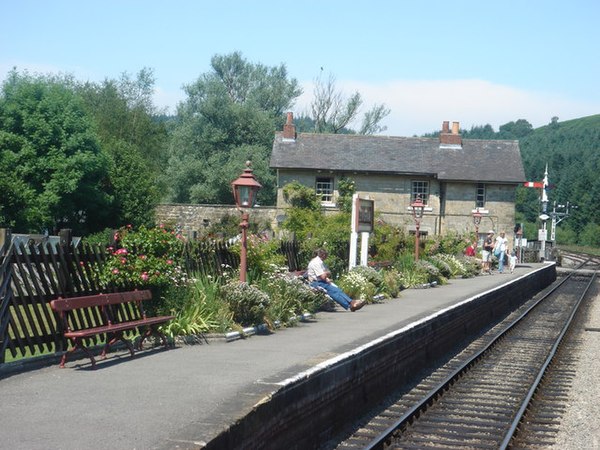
{"x":392,"y":281}
{"x":291,"y":297}
{"x":247,"y":303}
{"x":147,"y":258}
{"x":357,"y":286}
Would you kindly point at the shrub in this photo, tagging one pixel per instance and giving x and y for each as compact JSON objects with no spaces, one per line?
{"x":392,"y":281}
{"x":372,"y":275}
{"x":247,"y":303}
{"x":357,"y":286}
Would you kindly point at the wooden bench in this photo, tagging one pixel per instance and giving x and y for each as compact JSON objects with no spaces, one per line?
{"x":110,"y":314}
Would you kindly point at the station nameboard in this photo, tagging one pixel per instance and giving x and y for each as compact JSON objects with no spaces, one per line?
{"x":366,"y":215}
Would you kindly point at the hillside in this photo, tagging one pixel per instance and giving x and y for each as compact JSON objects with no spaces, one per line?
{"x":571,"y":149}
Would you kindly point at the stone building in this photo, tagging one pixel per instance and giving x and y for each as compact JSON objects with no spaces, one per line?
{"x":454,"y":177}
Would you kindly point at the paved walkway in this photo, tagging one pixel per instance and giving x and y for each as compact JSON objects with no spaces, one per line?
{"x":185,"y":396}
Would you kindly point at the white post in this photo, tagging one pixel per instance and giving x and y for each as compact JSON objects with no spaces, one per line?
{"x":353,"y":233}
{"x":364,"y":248}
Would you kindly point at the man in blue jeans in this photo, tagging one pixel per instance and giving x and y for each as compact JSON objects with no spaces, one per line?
{"x":319,"y":276}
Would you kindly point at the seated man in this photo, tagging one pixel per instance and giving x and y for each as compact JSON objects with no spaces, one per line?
{"x":318,"y":276}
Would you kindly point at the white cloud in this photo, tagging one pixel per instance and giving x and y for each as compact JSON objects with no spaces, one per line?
{"x":419,"y":107}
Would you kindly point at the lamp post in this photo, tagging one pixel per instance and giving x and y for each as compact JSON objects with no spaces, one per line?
{"x":245,"y":189}
{"x":477,"y":222}
{"x":417,"y":211}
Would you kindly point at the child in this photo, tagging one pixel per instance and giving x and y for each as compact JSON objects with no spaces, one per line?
{"x":512,"y":261}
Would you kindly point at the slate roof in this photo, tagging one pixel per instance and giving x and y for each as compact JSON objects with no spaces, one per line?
{"x":477,"y":160}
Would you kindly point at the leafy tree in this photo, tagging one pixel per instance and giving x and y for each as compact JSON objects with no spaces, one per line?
{"x":230,"y":115}
{"x":133,"y":141}
{"x":53,"y":170}
{"x":515,"y":130}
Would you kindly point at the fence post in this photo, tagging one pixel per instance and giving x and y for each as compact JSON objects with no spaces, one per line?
{"x":5,"y":239}
{"x":66,"y":237}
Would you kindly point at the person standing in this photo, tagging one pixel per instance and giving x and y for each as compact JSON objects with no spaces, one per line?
{"x":319,"y":276}
{"x":500,"y":250}
{"x":486,"y":253}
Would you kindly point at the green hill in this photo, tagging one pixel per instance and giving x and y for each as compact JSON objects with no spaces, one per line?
{"x":571,"y":149}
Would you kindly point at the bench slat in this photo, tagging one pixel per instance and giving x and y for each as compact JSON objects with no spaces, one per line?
{"x":113,"y":298}
{"x":117,"y":327}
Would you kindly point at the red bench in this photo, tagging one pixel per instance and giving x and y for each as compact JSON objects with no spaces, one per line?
{"x":110,"y":314}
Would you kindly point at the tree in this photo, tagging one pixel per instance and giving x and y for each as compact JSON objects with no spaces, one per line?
{"x":231,"y":114}
{"x":134,"y":142}
{"x":51,"y":165}
{"x":332,"y":112}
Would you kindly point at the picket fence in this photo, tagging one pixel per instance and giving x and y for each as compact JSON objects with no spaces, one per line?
{"x":35,"y":272}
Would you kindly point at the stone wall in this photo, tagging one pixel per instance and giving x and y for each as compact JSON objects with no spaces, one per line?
{"x":195,"y":218}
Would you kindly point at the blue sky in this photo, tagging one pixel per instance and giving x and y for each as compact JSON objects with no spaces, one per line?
{"x":475,"y":62}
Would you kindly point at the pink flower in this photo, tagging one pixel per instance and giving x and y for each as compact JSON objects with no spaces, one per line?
{"x":115,"y":271}
{"x":123,"y":261}
{"x":121,"y":251}
{"x":169,"y":261}
{"x":144,"y":276}
{"x":143,"y":257}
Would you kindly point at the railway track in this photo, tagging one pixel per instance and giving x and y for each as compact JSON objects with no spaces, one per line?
{"x":483,"y":396}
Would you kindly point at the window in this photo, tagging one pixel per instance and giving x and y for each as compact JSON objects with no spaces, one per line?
{"x":480,"y":195}
{"x":324,"y":188}
{"x":420,"y":188}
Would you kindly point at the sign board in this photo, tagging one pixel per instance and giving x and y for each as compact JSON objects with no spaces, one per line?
{"x":365,"y":216}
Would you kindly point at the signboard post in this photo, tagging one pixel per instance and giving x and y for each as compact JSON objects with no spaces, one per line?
{"x":363,"y":217}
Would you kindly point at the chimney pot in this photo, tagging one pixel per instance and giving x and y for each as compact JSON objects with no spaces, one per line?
{"x":445,"y":126}
{"x":455,"y":127}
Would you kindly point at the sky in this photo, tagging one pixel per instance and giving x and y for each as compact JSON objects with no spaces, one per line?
{"x":474,"y":62}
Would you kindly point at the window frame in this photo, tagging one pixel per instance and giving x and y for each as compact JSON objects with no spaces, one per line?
{"x":324,"y":187}
{"x":421,"y":188}
{"x":480,"y":195}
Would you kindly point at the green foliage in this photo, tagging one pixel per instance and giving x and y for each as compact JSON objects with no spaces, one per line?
{"x":148,"y":257}
{"x":48,"y":146}
{"x":346,"y":189}
{"x":372,"y":275}
{"x":392,"y":282}
{"x":388,"y":242}
{"x":247,"y":303}
{"x":357,"y":286}
{"x":571,"y":149}
{"x":449,"y":243}
{"x":590,"y":235}
{"x":301,"y":197}
{"x":230,"y":115}
{"x":290,"y":297}
{"x":431,"y":271}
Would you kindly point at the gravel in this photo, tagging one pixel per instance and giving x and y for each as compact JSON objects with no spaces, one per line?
{"x":580,"y":426}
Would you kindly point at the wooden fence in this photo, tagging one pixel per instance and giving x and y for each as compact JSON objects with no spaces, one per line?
{"x":34,"y":273}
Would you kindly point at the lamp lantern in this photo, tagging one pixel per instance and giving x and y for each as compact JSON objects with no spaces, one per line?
{"x":245,"y":189}
{"x":417,"y":211}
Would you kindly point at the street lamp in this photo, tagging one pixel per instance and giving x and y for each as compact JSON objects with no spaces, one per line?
{"x":417,"y":211}
{"x":245,"y":189}
{"x":477,"y":222}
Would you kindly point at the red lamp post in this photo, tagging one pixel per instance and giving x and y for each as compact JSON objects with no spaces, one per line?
{"x":417,"y":211}
{"x":245,"y":189}
{"x":477,"y":221}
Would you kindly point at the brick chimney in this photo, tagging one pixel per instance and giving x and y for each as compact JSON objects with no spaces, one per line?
{"x":289,"y":129}
{"x":448,"y":137}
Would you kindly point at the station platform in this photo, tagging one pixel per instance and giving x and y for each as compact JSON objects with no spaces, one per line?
{"x":183,"y":398}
